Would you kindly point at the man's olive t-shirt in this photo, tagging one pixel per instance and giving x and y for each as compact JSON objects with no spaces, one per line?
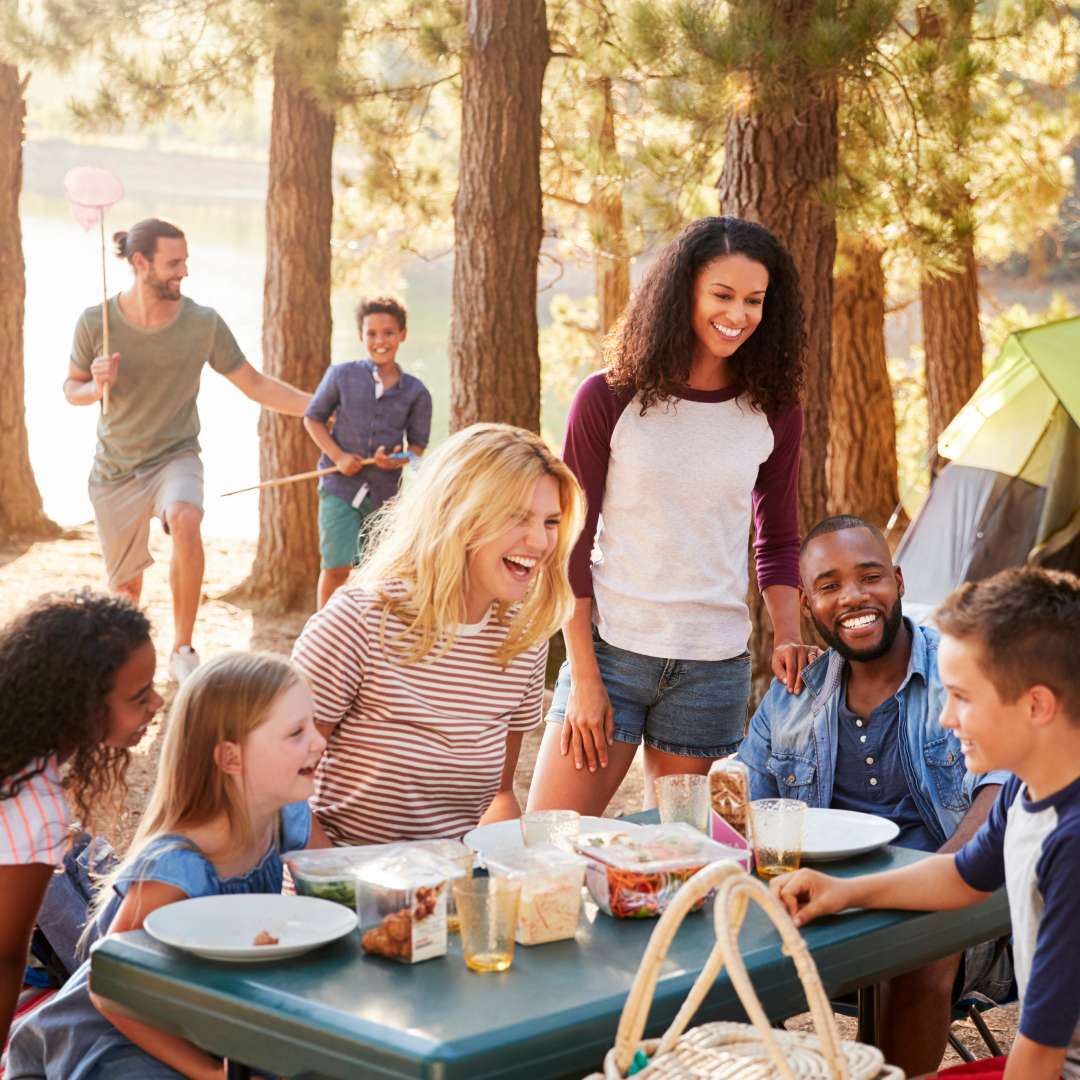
{"x":152,"y":412}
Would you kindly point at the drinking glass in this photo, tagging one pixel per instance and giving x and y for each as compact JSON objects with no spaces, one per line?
{"x":684,"y":798}
{"x":488,"y":910}
{"x":776,"y":832}
{"x":551,"y":828}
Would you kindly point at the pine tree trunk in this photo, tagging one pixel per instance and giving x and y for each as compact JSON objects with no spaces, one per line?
{"x":861,"y":472}
{"x":296,"y":335}
{"x":775,"y":164}
{"x":952,"y":340}
{"x":21,"y":514}
{"x":498,"y":225}
{"x":606,"y":222}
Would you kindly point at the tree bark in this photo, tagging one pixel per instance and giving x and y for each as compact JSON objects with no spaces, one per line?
{"x":611,"y":268}
{"x":861,"y":473}
{"x":498,"y":225}
{"x":22,"y":516}
{"x":776,"y":161}
{"x":952,"y":340}
{"x":296,"y":332}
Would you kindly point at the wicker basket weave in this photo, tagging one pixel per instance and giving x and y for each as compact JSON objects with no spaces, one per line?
{"x":731,"y":1051}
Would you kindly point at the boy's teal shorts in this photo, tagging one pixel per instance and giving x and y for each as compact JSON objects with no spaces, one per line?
{"x":341,"y":530}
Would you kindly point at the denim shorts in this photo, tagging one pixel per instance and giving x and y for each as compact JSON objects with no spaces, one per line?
{"x":692,"y":708}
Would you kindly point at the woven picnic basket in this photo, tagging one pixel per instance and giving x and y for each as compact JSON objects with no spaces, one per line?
{"x":733,"y":1051}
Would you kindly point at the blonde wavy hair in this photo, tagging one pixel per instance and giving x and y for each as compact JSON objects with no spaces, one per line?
{"x":224,"y":700}
{"x":468,"y":492}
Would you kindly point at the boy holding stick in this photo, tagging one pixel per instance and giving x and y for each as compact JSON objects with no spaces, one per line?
{"x":374,"y":404}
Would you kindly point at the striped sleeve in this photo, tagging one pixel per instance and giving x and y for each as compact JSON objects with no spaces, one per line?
{"x":331,"y":651}
{"x":35,"y":824}
{"x":530,"y":712}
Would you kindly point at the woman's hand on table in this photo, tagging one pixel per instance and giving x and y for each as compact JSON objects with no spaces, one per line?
{"x":788,"y":660}
{"x":589,"y":725}
{"x":808,"y":894}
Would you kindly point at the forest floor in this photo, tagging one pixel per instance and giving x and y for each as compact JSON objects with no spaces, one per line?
{"x":74,"y":561}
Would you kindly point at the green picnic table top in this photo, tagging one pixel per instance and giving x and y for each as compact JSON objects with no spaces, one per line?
{"x":337,"y":1013}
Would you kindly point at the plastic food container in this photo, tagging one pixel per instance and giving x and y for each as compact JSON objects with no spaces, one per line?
{"x":729,"y":792}
{"x":458,"y":856}
{"x":330,"y":873}
{"x":635,"y":875}
{"x":401,"y":904}
{"x":551,"y":881}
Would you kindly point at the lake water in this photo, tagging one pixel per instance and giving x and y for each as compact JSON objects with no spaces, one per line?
{"x":225,"y":231}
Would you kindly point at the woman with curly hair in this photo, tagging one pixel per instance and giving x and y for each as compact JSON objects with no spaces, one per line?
{"x":691,"y":432}
{"x":76,"y":693}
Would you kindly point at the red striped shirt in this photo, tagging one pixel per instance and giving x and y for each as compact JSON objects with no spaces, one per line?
{"x":36,"y":823}
{"x":417,"y":749}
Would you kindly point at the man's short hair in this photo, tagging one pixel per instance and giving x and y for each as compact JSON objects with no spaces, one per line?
{"x":1027,"y":621}
{"x":380,"y":305}
{"x":838,"y":523}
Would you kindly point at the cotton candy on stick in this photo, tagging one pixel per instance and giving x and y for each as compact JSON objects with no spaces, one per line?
{"x":91,"y":191}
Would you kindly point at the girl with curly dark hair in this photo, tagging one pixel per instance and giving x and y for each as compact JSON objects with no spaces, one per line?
{"x":76,"y":693}
{"x":690,"y":434}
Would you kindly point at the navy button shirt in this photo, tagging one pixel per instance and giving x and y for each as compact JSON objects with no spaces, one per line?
{"x":366,"y":420}
{"x":869,"y":773}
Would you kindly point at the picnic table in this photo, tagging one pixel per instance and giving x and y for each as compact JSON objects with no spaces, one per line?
{"x":337,"y":1013}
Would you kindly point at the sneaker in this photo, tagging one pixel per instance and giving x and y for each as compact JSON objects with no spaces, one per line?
{"x":182,"y":663}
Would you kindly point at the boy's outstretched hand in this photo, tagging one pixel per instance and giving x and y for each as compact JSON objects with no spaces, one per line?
{"x":808,"y":894}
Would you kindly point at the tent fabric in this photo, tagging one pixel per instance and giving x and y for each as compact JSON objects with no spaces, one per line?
{"x":1011,"y":492}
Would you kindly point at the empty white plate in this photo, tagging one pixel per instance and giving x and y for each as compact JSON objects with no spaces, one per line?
{"x":225,"y":927}
{"x":841,"y":834}
{"x":505,"y":836}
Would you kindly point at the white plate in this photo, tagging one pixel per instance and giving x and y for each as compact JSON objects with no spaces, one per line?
{"x":224,"y":927}
{"x":841,"y":834}
{"x":503,"y":837}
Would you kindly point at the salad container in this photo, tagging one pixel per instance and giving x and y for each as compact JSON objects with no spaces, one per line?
{"x":330,"y":873}
{"x":551,"y":881}
{"x":635,"y":875}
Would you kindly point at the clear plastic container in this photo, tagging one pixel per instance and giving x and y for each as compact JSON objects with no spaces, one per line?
{"x":729,"y":793}
{"x":551,"y":881}
{"x":457,"y":855}
{"x":635,"y":875}
{"x":401,"y":905}
{"x":330,"y":873}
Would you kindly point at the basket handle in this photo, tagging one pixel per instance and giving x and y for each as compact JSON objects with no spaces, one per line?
{"x":735,"y":889}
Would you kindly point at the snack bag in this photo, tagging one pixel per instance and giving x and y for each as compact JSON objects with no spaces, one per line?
{"x":729,"y":792}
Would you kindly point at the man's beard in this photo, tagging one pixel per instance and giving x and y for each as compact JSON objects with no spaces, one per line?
{"x":893,"y":621}
{"x":162,"y":289}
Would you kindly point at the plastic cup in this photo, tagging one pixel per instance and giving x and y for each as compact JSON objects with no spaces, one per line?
{"x":551,"y":828}
{"x":684,"y":798}
{"x":488,"y":910}
{"x":776,"y":831}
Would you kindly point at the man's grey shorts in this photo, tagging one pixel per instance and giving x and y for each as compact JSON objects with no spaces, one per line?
{"x":123,"y":509}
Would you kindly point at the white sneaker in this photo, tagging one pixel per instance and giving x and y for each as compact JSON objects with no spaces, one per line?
{"x":182,"y":663}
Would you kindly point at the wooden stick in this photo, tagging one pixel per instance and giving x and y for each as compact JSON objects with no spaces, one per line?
{"x":104,"y":314}
{"x":314,"y":474}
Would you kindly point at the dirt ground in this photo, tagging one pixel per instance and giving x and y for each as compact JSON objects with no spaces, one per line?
{"x":74,"y":561}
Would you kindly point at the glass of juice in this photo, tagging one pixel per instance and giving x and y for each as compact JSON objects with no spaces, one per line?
{"x":488,"y":911}
{"x":684,"y":798}
{"x":776,"y":835}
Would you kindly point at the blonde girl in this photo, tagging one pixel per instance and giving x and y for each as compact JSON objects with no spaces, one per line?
{"x":429,"y":668}
{"x":236,"y":769}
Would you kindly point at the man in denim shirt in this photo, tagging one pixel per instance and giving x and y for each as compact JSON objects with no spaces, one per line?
{"x":864,"y":735}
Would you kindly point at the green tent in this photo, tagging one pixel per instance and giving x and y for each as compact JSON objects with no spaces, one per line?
{"x":1011,"y":491}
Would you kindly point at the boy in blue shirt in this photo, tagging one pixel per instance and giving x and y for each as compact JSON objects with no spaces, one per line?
{"x":1007,"y":658}
{"x":374,"y":404}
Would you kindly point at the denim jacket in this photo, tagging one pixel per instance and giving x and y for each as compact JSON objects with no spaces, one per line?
{"x":790,"y":749}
